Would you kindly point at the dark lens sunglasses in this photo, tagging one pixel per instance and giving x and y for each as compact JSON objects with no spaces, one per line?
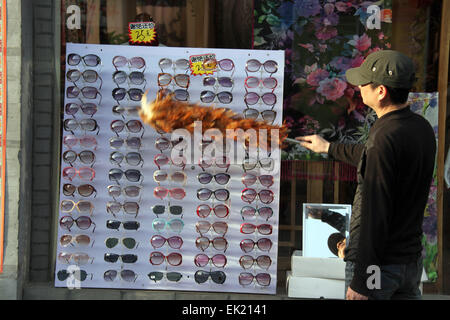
{"x":90,"y":60}
{"x":134,"y":94}
{"x":87,"y":108}
{"x":90,"y":76}
{"x":127,"y":225}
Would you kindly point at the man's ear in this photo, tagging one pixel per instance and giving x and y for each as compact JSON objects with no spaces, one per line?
{"x":382,"y":92}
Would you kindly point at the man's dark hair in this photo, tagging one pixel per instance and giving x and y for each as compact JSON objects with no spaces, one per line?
{"x":396,"y":95}
{"x":333,"y":240}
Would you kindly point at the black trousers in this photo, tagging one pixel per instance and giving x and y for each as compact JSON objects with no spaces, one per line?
{"x":397,"y":281}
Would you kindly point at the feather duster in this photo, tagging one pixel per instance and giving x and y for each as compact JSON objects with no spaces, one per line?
{"x":166,"y":114}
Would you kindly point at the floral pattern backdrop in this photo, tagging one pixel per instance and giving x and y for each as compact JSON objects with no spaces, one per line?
{"x":321,"y":40}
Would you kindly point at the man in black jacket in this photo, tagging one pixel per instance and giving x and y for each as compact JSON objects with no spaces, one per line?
{"x":395,"y":168}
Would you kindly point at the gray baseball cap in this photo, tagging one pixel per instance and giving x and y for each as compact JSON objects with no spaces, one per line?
{"x":388,"y":67}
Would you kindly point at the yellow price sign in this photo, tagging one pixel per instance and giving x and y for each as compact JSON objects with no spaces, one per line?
{"x":142,"y":32}
{"x":203,"y":64}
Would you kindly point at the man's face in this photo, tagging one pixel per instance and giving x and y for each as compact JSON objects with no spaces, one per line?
{"x":369,"y":95}
{"x":341,"y":247}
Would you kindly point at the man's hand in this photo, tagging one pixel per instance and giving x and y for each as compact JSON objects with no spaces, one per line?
{"x":314,"y":143}
{"x":353,"y":295}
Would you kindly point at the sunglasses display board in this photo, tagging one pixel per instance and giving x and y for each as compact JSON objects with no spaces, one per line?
{"x":130,"y":215}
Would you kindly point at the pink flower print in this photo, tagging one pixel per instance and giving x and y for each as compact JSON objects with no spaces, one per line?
{"x":357,"y":61}
{"x":342,"y":6}
{"x":361,"y":43}
{"x":316,"y":76}
{"x":307,"y":46}
{"x":332,"y":88}
{"x":326,"y":33}
{"x":309,"y":125}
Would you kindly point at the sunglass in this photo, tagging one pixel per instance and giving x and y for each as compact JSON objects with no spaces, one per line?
{"x":131,"y":142}
{"x":129,"y":110}
{"x":78,"y":258}
{"x":267,"y":115}
{"x":160,"y":209}
{"x":84,"y":190}
{"x":166,"y":63}
{"x":204,"y":226}
{"x":178,"y":94}
{"x":206,"y":162}
{"x":175,"y":225}
{"x":220,"y":178}
{"x":85,"y":124}
{"x":254,"y":65}
{"x":263,"y":279}
{"x":171,"y":276}
{"x":90,"y":76}
{"x":163,"y":143}
{"x":222,"y":81}
{"x":218,"y":260}
{"x":254,"y":82}
{"x":204,"y":194}
{"x":86,"y":157}
{"x":201,"y":276}
{"x":263,"y":244}
{"x":132,"y":158}
{"x":85,"y":173}
{"x":264,"y":229}
{"x":249,"y":179}
{"x":174,"y":242}
{"x":162,"y":159}
{"x":218,"y":243}
{"x":90,"y":60}
{"x":80,"y":239}
{"x":134,"y":94}
{"x":132,"y":175}
{"x":87,"y":108}
{"x":249,"y":195}
{"x":265,"y":163}
{"x":85,"y":142}
{"x":175,"y":193}
{"x":161,"y":176}
{"x":79,"y":275}
{"x":209,"y":96}
{"x":174,"y":258}
{"x":125,"y":258}
{"x":133,"y":126}
{"x":135,"y":62}
{"x":135,"y":77}
{"x":87,"y":92}
{"x":129,"y":243}
{"x":220,"y":210}
{"x":252,"y":98}
{"x":249,"y":212}
{"x":182,"y":80}
{"x":82,"y":206}
{"x":127,"y":225}
{"x":82,"y":222}
{"x":129,"y":207}
{"x":226,"y":64}
{"x":129,"y":191}
{"x":126,"y":275}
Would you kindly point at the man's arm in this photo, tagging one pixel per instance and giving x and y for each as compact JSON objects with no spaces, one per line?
{"x":377,"y":207}
{"x":349,"y":153}
{"x":346,"y":152}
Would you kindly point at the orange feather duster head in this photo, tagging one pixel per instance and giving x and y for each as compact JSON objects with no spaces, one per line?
{"x":166,"y":114}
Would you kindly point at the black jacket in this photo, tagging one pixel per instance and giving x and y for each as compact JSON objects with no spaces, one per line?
{"x":395,"y":169}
